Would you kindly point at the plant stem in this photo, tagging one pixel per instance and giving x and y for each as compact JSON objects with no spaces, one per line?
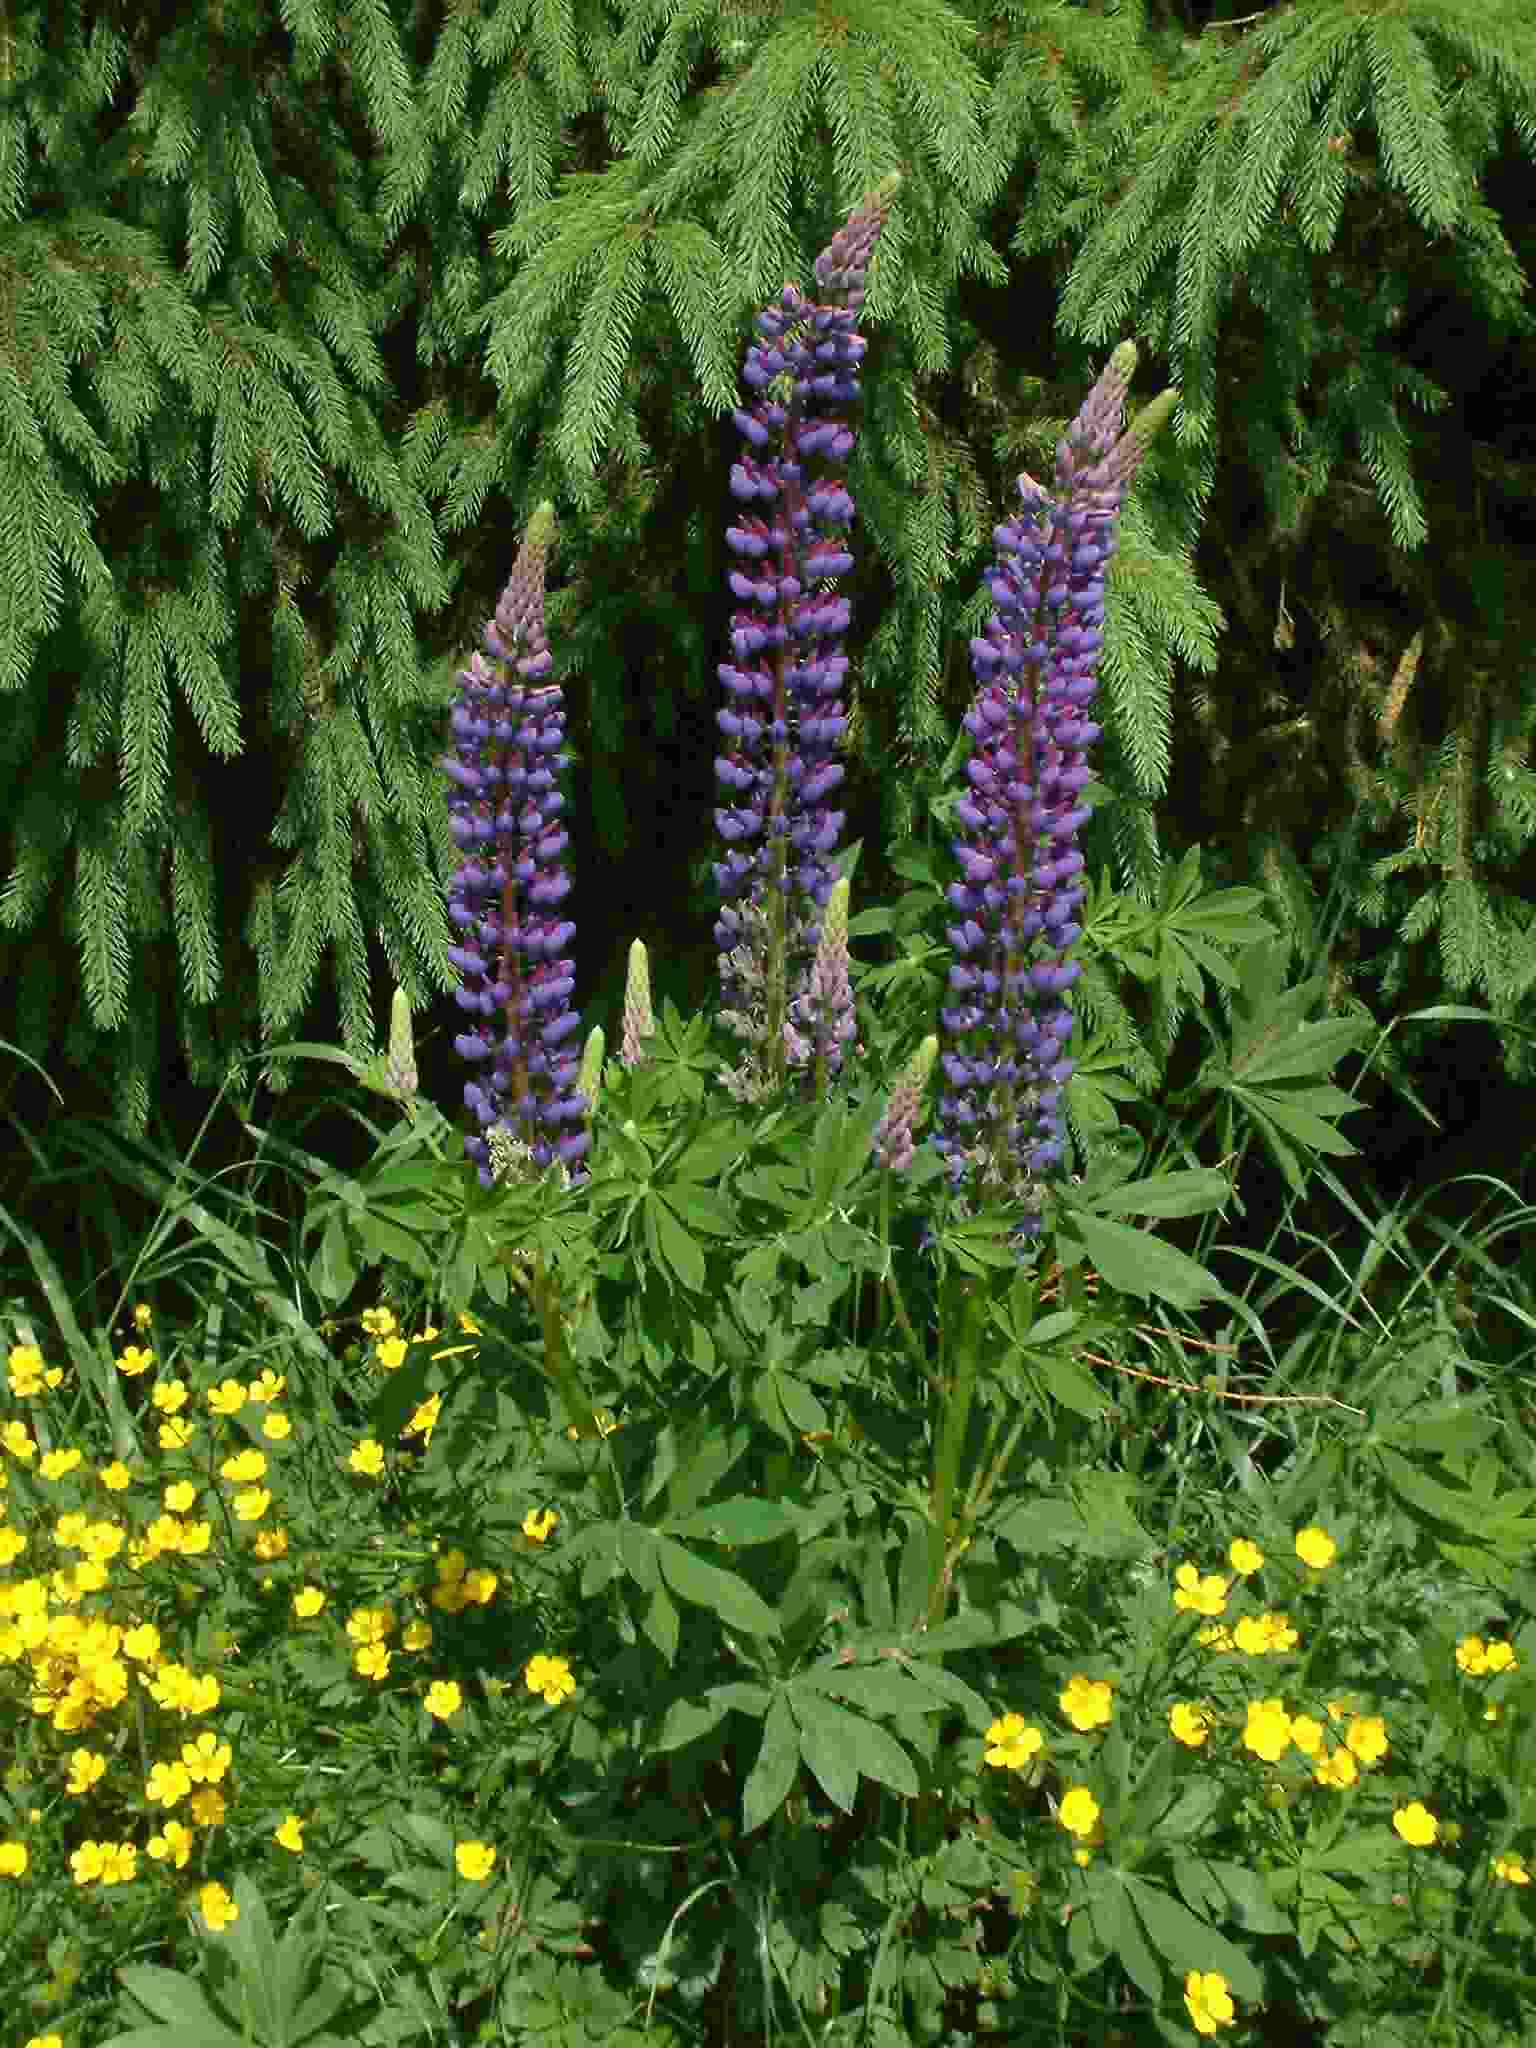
{"x":951,"y":1443}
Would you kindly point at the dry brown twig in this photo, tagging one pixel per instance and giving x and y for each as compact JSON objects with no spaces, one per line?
{"x":1051,"y":1289}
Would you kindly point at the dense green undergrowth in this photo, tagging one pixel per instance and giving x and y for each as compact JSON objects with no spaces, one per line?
{"x":464,"y":1627}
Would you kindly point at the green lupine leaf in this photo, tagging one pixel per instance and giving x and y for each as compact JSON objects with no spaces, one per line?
{"x":1187,"y":1942}
{"x":674,"y":1247}
{"x":1135,"y":1262}
{"x":742,"y":1521}
{"x":1117,"y":1927}
{"x":1188,"y":1193}
{"x":847,"y":1746}
{"x":1307,"y":1129}
{"x":773,"y":1775}
{"x":706,"y":1585}
{"x":828,"y":1747}
{"x":1314,"y":1049}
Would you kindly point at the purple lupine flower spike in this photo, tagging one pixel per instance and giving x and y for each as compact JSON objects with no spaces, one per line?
{"x":505,"y":811}
{"x":1018,"y":901}
{"x":783,"y":717}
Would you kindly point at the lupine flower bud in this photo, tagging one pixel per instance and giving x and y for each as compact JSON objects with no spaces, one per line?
{"x":825,"y":1011}
{"x":1009,"y":1025}
{"x":505,"y":811}
{"x":892,"y":1146}
{"x":590,"y":1079}
{"x":400,"y":1070}
{"x":393,"y":1072}
{"x":784,"y":718}
{"x":638,"y":1021}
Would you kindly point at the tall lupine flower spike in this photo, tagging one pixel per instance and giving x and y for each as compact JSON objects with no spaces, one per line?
{"x":638,"y":1021}
{"x":1009,"y":1022}
{"x":783,"y":717}
{"x":505,"y":809}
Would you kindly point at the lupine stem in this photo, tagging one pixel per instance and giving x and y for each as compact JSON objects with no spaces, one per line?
{"x":957,"y":1415}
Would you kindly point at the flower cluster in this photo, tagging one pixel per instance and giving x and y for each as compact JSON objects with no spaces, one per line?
{"x":784,"y":715}
{"x":78,"y":1657}
{"x":782,"y":947}
{"x":504,"y":813}
{"x":1035,"y":665}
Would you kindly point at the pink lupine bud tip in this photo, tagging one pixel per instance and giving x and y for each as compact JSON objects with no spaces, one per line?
{"x":893,"y":1137}
{"x":638,"y":1021}
{"x":401,"y":1068}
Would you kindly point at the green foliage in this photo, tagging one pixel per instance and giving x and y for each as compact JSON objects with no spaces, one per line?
{"x":731,"y":1559}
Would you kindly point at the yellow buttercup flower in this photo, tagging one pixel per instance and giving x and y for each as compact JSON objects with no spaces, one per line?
{"x":1079,"y":1811}
{"x":1367,"y":1737}
{"x":1087,"y":1702}
{"x":1197,"y":1595}
{"x":1315,"y":1547}
{"x":1188,"y":1724}
{"x":1268,"y":1729}
{"x":1011,"y":1742}
{"x":168,"y":1783}
{"x":206,"y":1758}
{"x":1337,"y":1769}
{"x":370,"y":1624}
{"x":474,"y":1860}
{"x":1209,"y":2001}
{"x":86,"y":1768}
{"x":550,"y":1676}
{"x":174,"y":1845}
{"x":246,"y":1467}
{"x":218,"y":1908}
{"x":1416,"y":1824}
{"x":1307,"y":1734}
{"x":1245,"y":1557}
